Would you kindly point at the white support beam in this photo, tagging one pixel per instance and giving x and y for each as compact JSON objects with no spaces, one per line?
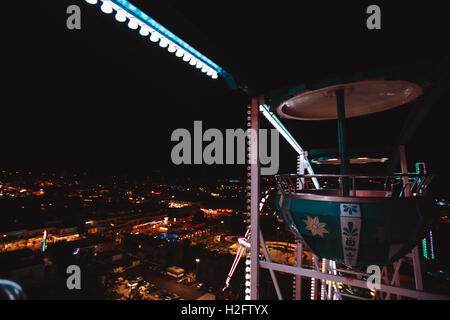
{"x":298,"y":279}
{"x":420,"y":295}
{"x":289,"y":138}
{"x":315,"y":282}
{"x":272,"y":273}
{"x":395,"y":277}
{"x":254,"y":197}
{"x":417,"y":268}
{"x":415,"y":252}
{"x":353,"y":297}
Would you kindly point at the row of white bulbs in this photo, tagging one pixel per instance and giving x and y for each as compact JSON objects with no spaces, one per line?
{"x":133,"y":23}
{"x":247,"y":257}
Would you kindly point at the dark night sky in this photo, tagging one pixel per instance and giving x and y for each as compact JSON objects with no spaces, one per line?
{"x":105,"y":98}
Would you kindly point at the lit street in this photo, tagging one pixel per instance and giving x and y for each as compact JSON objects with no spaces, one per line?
{"x":164,"y":282}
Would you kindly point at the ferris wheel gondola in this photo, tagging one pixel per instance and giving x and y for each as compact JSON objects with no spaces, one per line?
{"x":358,"y":220}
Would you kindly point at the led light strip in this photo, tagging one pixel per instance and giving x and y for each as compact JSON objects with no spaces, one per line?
{"x":322,"y":286}
{"x":233,"y":267}
{"x":289,"y":138}
{"x":236,"y":261}
{"x":166,"y":39}
{"x":248,"y":269}
{"x":263,"y":200}
{"x":44,"y":241}
{"x":432,"y":246}
{"x":424,"y":247}
{"x":313,"y":288}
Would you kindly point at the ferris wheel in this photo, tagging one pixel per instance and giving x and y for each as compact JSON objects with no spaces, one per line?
{"x":350,"y":226}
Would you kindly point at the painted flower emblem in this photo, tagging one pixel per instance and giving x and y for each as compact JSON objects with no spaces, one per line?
{"x":315,"y":226}
{"x":350,"y":208}
{"x":350,"y":231}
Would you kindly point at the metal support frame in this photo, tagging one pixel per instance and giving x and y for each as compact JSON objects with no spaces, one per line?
{"x":272,"y":273}
{"x":342,"y":136}
{"x":285,"y":133}
{"x":254,"y":196}
{"x":315,"y":274}
{"x":297,"y":287}
{"x":421,"y":108}
{"x":328,"y":276}
{"x":314,"y":281}
{"x":407,"y":190}
{"x":395,"y":277}
{"x":301,"y":168}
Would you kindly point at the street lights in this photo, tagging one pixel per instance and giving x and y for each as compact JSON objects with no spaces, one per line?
{"x":197,"y":260}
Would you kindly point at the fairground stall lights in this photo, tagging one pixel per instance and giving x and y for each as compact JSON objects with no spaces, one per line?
{"x":158,"y":34}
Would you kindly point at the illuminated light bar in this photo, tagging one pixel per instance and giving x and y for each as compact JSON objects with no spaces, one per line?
{"x":233,"y":267}
{"x":322,"y":288}
{"x":236,"y":261}
{"x":263,"y":200}
{"x":431,"y":244}
{"x":336,"y":288}
{"x":289,"y":138}
{"x":313,"y":288}
{"x":244,"y":242}
{"x":138,"y":20}
{"x":424,"y":247}
{"x":44,"y":241}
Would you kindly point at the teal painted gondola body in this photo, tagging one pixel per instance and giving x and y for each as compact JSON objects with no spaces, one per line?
{"x":358,"y":232}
